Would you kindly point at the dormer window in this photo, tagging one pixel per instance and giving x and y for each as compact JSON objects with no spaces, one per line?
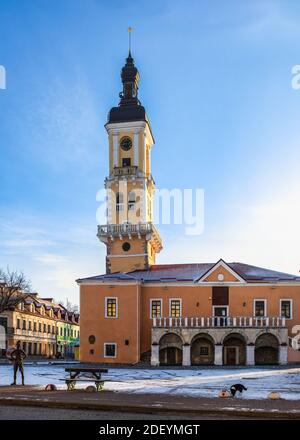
{"x":21,"y":306}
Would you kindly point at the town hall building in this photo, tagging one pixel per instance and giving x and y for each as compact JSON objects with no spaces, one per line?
{"x":217,"y":313}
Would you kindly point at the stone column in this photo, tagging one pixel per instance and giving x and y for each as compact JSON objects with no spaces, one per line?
{"x":218,"y":354}
{"x":155,"y":355}
{"x":250,"y":356}
{"x":186,"y":355}
{"x":283,"y":354}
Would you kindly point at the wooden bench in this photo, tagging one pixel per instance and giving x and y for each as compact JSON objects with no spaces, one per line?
{"x":85,"y":374}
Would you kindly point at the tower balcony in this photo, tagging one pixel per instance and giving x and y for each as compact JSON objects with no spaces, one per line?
{"x":130,"y":171}
{"x":130,"y":230}
{"x":126,"y":171}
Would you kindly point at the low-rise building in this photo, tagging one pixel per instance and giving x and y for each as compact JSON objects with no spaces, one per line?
{"x":37,"y":323}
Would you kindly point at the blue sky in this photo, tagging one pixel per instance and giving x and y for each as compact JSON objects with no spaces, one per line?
{"x":216,"y":82}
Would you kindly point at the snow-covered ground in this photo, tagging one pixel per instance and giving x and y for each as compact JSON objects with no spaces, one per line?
{"x":195,"y":382}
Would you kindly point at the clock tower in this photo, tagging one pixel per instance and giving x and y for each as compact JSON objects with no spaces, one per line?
{"x":131,"y":239}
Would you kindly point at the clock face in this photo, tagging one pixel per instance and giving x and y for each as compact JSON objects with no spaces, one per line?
{"x":126,"y":143}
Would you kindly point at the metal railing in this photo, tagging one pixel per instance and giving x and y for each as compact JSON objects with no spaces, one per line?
{"x":126,"y":171}
{"x":217,"y":321}
{"x":127,"y":228}
{"x":32,"y":333}
{"x":131,"y":170}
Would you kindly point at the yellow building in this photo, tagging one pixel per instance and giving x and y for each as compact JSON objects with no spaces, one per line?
{"x":36,"y":322}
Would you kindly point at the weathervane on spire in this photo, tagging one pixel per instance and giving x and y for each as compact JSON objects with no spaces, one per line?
{"x":129,"y":38}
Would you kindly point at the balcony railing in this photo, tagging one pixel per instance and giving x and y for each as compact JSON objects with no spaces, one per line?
{"x":32,"y":333}
{"x":130,"y":171}
{"x":126,"y":171}
{"x":128,"y":229}
{"x":217,"y":321}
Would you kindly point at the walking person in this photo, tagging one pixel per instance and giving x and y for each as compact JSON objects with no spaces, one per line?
{"x":17,"y":356}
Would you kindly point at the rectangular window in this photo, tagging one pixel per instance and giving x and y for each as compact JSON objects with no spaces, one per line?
{"x":24,"y":324}
{"x":155,"y":308}
{"x":204,"y":350}
{"x":175,"y":308}
{"x":220,"y":296}
{"x":45,"y":328}
{"x":286,"y":308}
{"x":111,"y":308}
{"x":110,"y":350}
{"x":49,"y":329}
{"x":40,"y":327}
{"x":29,"y":325}
{"x":18,"y":323}
{"x":34,"y":326}
{"x":260,"y":307}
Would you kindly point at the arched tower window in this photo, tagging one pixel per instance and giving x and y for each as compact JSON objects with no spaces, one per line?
{"x":119,"y":201}
{"x":131,"y":200}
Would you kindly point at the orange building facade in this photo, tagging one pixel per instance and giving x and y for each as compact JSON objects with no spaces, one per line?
{"x":188,"y":314}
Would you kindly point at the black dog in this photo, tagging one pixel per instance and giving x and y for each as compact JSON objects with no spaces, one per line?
{"x":237,"y":387}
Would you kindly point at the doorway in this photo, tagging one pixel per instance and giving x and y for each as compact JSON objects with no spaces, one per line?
{"x":234,"y":350}
{"x":126,"y":162}
{"x":170,"y":356}
{"x":220,"y":313}
{"x":231,"y":355}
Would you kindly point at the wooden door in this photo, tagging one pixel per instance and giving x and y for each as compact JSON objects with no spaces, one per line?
{"x":231,"y":355}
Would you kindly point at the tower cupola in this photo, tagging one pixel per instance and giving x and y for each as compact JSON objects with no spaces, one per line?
{"x":130,"y":108}
{"x":130,"y":79}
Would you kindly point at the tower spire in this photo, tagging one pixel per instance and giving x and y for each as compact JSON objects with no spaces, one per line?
{"x":129,"y":40}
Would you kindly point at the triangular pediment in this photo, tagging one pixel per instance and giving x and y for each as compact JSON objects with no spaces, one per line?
{"x":220,"y":273}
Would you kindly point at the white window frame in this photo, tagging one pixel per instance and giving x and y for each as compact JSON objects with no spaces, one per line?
{"x":291,"y":305}
{"x":221,"y":307}
{"x":265,"y":311}
{"x":104,"y":349}
{"x":175,"y":299}
{"x":117,"y":307}
{"x":161,"y":307}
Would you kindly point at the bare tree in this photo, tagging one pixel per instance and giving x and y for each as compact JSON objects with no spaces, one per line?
{"x":69,"y":306}
{"x":14,"y":288}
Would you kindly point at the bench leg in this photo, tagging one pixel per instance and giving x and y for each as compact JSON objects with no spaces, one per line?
{"x":71,"y":384}
{"x":99,"y":385}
